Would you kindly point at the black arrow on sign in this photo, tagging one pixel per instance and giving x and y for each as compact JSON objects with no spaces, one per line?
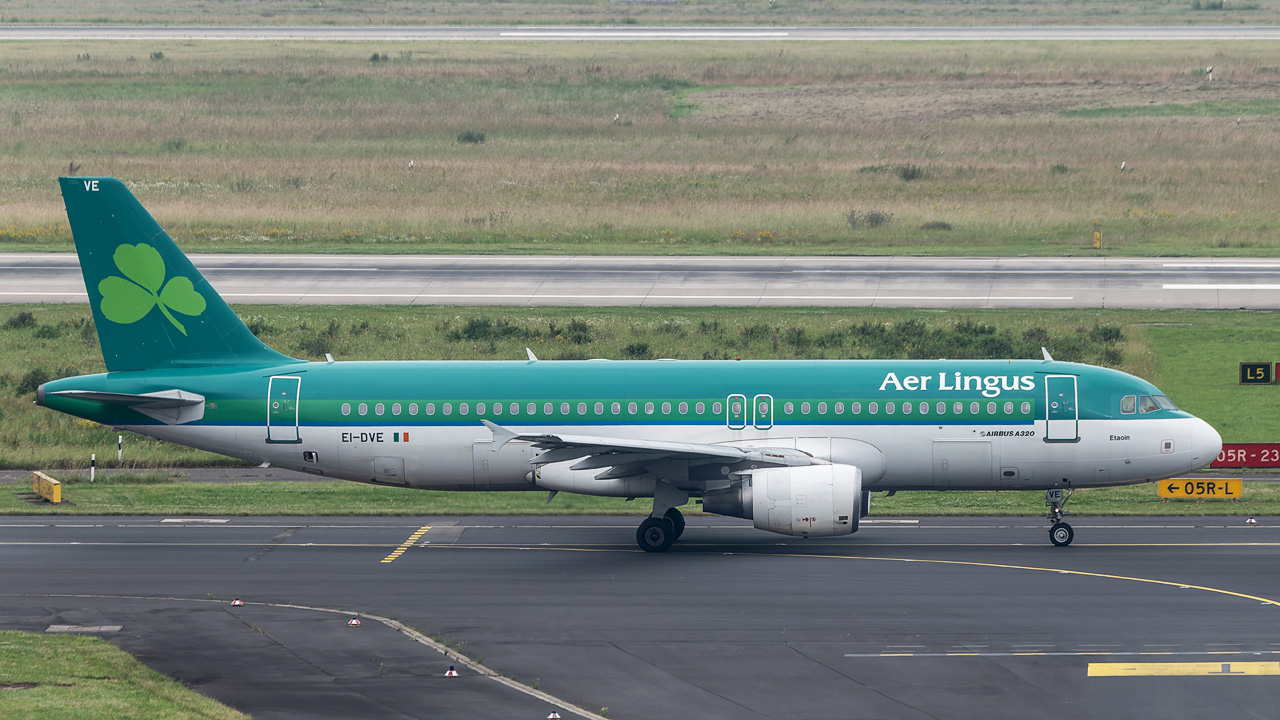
{"x":1172,"y":487}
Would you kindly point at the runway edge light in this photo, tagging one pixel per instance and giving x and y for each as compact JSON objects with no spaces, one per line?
{"x":1251,"y":521}
{"x":451,"y":672}
{"x":353,"y":622}
{"x":554,"y":715}
{"x":237,"y":602}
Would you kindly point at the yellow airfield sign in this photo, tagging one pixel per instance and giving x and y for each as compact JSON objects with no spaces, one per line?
{"x":1201,"y":488}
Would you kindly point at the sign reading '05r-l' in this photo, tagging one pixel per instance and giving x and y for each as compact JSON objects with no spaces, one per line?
{"x":1200,"y":489}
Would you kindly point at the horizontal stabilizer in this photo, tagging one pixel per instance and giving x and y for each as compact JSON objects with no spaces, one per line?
{"x":171,"y":407}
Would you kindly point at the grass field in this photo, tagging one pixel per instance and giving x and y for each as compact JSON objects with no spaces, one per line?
{"x":71,"y":677}
{"x":743,"y":148}
{"x":1193,"y":356}
{"x":650,"y":12}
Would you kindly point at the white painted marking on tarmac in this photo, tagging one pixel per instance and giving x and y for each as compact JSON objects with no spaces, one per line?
{"x":83,"y":628}
{"x":1267,"y":266}
{"x":1221,"y":286}
{"x":194,"y":520}
{"x":651,"y":34}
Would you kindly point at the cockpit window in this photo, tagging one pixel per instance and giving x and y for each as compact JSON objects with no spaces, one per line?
{"x":1165,"y":403}
{"x":1147,"y":404}
{"x":1129,"y":404}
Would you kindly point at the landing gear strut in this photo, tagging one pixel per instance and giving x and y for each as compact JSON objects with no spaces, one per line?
{"x":1060,"y":533}
{"x":666,"y":523}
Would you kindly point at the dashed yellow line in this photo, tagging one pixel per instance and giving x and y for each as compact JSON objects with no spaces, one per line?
{"x":415,"y":537}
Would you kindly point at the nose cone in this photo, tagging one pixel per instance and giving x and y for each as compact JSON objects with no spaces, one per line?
{"x":1206,"y":444}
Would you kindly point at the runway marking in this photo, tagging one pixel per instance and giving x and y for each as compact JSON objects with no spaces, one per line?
{"x":1063,"y":653}
{"x":1266,"y":266}
{"x":1182,"y":669}
{"x":415,"y":537}
{"x":646,"y":34}
{"x":1221,"y":286}
{"x":548,"y":296}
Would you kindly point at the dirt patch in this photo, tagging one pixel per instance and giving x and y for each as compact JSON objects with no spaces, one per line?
{"x":924,"y":102}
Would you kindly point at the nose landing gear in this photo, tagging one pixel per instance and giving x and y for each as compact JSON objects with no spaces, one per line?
{"x":1060,"y":533}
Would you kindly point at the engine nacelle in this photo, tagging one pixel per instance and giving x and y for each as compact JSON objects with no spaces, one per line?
{"x":810,"y":501}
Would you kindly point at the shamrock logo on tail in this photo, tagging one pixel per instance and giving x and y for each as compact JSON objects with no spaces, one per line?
{"x":128,"y":301}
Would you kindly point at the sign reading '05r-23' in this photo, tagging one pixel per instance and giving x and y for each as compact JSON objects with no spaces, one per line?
{"x":1248,"y":455}
{"x":1201,"y":488}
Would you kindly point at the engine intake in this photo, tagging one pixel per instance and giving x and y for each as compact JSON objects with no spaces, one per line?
{"x":811,"y":501}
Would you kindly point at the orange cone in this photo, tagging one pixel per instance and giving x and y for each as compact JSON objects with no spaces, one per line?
{"x":451,"y":673}
{"x":353,"y":622}
{"x":237,"y":602}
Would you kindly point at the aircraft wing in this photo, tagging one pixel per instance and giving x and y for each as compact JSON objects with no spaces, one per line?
{"x":625,"y":455}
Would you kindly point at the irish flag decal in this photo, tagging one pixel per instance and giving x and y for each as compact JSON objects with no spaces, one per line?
{"x":400,"y":437}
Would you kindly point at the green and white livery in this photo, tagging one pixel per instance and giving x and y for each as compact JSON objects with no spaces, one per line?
{"x":795,"y":446}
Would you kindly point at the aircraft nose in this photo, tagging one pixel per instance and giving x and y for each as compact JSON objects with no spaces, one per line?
{"x":1206,"y":444}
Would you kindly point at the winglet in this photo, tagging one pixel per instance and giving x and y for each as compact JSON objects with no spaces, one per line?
{"x":1047,"y":357}
{"x":532,"y":357}
{"x":501,"y":435}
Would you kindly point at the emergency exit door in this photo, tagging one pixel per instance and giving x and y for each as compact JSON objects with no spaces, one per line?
{"x":1061,"y":409}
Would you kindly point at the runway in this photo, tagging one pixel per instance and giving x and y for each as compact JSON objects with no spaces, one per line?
{"x":634,"y":33}
{"x":909,"y":618}
{"x":926,"y":282}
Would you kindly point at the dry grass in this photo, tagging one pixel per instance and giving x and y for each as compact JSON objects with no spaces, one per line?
{"x":651,"y":12}
{"x":738,"y":148}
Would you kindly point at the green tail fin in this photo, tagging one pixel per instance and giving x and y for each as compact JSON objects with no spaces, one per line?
{"x":152,"y":307}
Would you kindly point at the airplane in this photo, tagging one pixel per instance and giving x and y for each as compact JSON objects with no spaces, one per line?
{"x":795,"y":446}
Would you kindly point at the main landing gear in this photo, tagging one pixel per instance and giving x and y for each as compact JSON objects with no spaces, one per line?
{"x":657,"y":534}
{"x":1060,"y":533}
{"x":666,"y":524}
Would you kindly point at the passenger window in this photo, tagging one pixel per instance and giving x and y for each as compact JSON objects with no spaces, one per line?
{"x":515,"y":408}
{"x":648,"y":408}
{"x":532,"y":409}
{"x":564,"y":408}
{"x":1008,"y":408}
{"x":973,"y":407}
{"x":684,"y":408}
{"x":855,"y":408}
{"x":431,"y":408}
{"x":804,"y":408}
{"x":463,"y":408}
{"x":616,"y":408}
{"x":666,"y":408}
{"x":413,"y":408}
{"x":957,"y":408}
{"x":715,"y":408}
{"x":789,"y":408}
{"x":364,"y":409}
{"x":479,"y":408}
{"x":700,"y":408}
{"x":497,"y":408}
{"x":547,"y":408}
{"x":924,"y":408}
{"x":346,"y":408}
{"x":380,"y":408}
{"x":839,"y":408}
{"x":448,"y":408}
{"x":395,"y":409}
{"x":599,"y":408}
{"x":631,"y":408}
{"x":889,"y":408}
{"x":822,"y":408}
{"x":1147,"y":404}
{"x":906,"y":408}
{"x":1026,"y":408}
{"x":991,"y":408}
{"x":582,"y":408}
{"x":942,"y":408}
{"x":873,"y":408}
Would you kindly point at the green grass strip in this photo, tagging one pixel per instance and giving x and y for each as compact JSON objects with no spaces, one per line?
{"x":53,"y":677}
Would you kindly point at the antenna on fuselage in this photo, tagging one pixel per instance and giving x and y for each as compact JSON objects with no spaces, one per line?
{"x":1047,"y":356}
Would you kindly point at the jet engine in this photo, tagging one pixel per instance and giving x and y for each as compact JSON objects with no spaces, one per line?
{"x":809,"y":501}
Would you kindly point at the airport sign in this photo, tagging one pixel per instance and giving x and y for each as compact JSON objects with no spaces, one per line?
{"x":1201,"y":488}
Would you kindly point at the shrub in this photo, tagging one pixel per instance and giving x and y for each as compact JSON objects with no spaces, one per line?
{"x":157,"y":55}
{"x":32,"y":380}
{"x":936,"y":225}
{"x":21,"y":321}
{"x":907,"y":173}
{"x":1059,"y":169}
{"x":471,"y":136}
{"x":870,"y":219}
{"x":48,"y":332}
{"x":638,"y":351}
